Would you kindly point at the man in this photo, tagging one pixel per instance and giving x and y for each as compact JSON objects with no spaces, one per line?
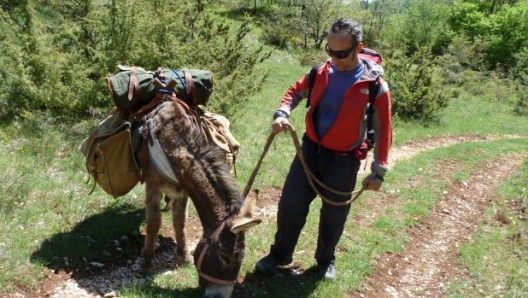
{"x":335,"y":125}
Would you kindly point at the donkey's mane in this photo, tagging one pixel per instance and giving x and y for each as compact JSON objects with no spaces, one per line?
{"x":210,"y":159}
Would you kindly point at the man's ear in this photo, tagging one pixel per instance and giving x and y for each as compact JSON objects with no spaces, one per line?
{"x":358,"y":49}
{"x":359,"y":46}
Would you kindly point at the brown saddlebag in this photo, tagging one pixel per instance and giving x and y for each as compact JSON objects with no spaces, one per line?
{"x":109,"y":156}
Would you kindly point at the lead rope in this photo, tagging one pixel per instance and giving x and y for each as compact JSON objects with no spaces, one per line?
{"x":257,"y":167}
{"x":311,"y":177}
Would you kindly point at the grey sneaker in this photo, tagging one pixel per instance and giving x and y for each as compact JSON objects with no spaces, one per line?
{"x":328,"y":272}
{"x":268,"y":264}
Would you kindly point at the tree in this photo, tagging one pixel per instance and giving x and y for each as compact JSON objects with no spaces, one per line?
{"x":501,"y":24}
{"x":318,"y":15}
{"x":507,"y":35}
{"x":378,"y":13}
{"x":422,"y":23}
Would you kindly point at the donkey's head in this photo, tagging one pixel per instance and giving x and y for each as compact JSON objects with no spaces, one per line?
{"x":218,"y":257}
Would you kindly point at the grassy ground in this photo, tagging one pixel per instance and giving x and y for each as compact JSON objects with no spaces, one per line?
{"x":48,"y":217}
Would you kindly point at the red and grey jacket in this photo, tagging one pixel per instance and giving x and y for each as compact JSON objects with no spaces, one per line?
{"x":349,"y":128}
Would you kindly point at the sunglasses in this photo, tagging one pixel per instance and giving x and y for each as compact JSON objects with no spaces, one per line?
{"x":339,"y":54}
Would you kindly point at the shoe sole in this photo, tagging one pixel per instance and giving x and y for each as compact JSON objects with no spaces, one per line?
{"x":259,"y":270}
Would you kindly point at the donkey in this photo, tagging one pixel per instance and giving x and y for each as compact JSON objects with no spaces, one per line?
{"x":202,"y":175}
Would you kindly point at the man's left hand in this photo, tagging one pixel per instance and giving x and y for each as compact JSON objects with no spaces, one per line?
{"x":370,"y":183}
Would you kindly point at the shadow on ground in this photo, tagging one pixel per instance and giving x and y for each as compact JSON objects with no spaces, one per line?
{"x":108,"y":238}
{"x":286,"y":283}
{"x":103,"y":244}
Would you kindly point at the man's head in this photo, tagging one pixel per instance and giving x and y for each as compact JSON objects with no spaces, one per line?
{"x":344,"y":43}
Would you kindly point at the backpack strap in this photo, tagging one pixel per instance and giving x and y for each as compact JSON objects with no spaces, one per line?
{"x":311,"y":82}
{"x":374,"y":87}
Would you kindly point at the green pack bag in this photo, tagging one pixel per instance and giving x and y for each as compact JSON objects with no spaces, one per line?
{"x":194,"y":86}
{"x":134,"y":87}
{"x":131,"y":88}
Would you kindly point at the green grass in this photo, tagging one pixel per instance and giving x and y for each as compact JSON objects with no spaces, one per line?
{"x":252,"y":127}
{"x":46,"y":213}
{"x":48,"y":216}
{"x":467,"y":115}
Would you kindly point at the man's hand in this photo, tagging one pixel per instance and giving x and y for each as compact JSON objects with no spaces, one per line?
{"x":371,"y":184}
{"x":279,"y":124}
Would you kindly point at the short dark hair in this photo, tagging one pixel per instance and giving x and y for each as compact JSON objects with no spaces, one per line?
{"x":351,"y":27}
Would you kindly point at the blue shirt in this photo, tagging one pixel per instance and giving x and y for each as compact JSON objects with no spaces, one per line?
{"x":338,"y":84}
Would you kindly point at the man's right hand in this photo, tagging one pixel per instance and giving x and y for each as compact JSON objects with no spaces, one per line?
{"x":279,"y":124}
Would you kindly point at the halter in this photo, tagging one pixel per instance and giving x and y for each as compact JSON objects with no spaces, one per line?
{"x":208,"y":242}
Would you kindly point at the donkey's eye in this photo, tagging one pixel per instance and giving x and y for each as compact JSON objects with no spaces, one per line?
{"x":227,"y":259}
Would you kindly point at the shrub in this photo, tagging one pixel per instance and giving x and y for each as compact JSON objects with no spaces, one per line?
{"x":417,"y":90}
{"x":59,"y":63}
{"x":519,"y":93}
{"x":313,"y":57}
{"x":280,"y":26}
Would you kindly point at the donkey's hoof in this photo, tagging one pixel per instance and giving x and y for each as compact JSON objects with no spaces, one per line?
{"x":146,"y":271}
{"x":184,"y":260}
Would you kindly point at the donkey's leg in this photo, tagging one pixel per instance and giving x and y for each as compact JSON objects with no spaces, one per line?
{"x":153,"y":218}
{"x":179,"y":211}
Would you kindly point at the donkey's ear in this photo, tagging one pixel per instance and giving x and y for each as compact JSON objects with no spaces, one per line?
{"x":249,"y":204}
{"x":244,"y":219}
{"x":241,"y":223}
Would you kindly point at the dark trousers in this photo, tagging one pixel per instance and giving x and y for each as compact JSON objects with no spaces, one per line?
{"x":337,"y":171}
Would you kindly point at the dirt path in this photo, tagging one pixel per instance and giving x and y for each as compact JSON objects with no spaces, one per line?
{"x":412,"y":148}
{"x":422,"y":270}
{"x":429,"y":260}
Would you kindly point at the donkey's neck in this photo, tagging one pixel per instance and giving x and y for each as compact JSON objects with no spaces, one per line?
{"x":211,"y":210}
{"x":214,"y":194}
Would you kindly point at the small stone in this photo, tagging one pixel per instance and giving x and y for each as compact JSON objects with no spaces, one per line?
{"x":97,"y":265}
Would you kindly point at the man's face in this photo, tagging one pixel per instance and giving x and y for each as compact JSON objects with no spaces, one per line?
{"x":343,"y":51}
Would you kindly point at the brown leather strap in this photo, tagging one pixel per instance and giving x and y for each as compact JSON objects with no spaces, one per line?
{"x":134,"y":91}
{"x":202,"y":254}
{"x":158,"y":98}
{"x":190,"y":88}
{"x":145,"y":157}
{"x":170,"y":85}
{"x":207,"y":242}
{"x":188,"y":81}
{"x":156,"y":82}
{"x":133,"y":86}
{"x":205,"y":276}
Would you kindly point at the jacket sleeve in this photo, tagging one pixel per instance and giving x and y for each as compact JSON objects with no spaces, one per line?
{"x":294,"y":95}
{"x":382,"y":121}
